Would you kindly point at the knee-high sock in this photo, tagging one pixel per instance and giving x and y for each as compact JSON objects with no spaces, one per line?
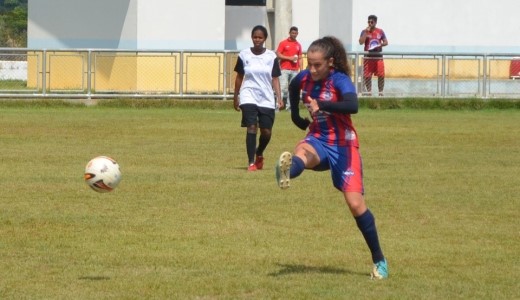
{"x":262,"y":144}
{"x":367,"y":225}
{"x":251,"y":146}
{"x":297,"y":167}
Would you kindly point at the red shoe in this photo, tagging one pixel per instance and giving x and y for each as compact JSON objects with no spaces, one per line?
{"x":251,"y":168}
{"x":259,"y":162}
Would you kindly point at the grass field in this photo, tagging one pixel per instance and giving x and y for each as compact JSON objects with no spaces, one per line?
{"x":188,"y":221}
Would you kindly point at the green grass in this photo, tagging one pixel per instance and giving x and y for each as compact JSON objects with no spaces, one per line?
{"x":13,"y":84}
{"x":188,"y":222}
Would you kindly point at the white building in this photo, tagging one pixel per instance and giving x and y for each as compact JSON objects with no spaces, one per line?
{"x":411,"y":25}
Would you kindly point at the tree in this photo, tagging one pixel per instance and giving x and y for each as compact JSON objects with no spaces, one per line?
{"x":13,"y":23}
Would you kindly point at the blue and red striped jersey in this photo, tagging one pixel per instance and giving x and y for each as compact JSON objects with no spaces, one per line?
{"x":332,"y":128}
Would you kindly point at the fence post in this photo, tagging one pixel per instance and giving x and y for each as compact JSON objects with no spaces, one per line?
{"x":484,"y":77}
{"x":181,"y":77}
{"x":44,"y":72}
{"x":443,"y":76}
{"x":225,"y":75}
{"x":356,"y":80}
{"x":89,"y":74}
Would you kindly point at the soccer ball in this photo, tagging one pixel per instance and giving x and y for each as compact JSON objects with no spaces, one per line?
{"x":102,"y":174}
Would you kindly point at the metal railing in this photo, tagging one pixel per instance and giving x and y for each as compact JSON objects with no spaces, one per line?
{"x":94,"y":73}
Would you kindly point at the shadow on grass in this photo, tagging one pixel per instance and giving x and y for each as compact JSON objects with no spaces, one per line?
{"x":94,"y":278}
{"x":287,"y":269}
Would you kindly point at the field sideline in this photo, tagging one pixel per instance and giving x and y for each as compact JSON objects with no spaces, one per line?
{"x":188,"y":221}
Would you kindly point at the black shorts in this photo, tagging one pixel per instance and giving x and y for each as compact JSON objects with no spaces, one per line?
{"x":256,"y":115}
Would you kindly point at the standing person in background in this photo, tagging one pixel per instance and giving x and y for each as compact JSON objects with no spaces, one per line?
{"x":257,"y":71}
{"x":331,"y":142}
{"x":374,"y":39}
{"x":289,"y":53}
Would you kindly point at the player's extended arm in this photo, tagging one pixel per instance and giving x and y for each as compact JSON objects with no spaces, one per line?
{"x":294,"y":99}
{"x":347,"y":105}
{"x":278,"y":92}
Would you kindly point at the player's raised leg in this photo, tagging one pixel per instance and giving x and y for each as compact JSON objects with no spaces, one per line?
{"x":283,"y":169}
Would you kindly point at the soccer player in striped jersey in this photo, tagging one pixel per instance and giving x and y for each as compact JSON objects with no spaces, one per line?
{"x":331,"y":143}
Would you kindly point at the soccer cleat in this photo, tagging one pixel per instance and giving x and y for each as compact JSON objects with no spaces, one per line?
{"x":259,"y":162}
{"x":251,"y":168}
{"x":283,"y":170}
{"x":380,"y":270}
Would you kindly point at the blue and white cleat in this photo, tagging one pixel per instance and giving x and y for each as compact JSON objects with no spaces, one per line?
{"x":380,"y":270}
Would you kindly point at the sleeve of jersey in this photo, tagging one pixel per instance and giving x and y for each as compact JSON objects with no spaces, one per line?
{"x":348,"y":101}
{"x":294,"y":98}
{"x":276,"y":72}
{"x":348,"y":104}
{"x":280,"y":47}
{"x":239,"y":67}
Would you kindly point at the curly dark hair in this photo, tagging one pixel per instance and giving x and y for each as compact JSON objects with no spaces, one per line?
{"x":331,"y":46}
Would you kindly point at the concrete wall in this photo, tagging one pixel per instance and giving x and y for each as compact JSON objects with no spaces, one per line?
{"x":240,"y":20}
{"x":411,"y":25}
{"x":180,"y":24}
{"x":63,"y":24}
{"x":316,"y":19}
{"x":13,"y":70}
{"x":443,"y":25}
{"x":305,"y":16}
{"x":415,"y":26}
{"x":127,"y":24}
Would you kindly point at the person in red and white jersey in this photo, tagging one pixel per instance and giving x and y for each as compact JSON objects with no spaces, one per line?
{"x":374,"y":39}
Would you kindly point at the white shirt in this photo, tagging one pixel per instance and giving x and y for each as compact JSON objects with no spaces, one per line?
{"x":258,"y":70}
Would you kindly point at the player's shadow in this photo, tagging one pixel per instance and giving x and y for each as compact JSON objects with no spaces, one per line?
{"x":287,"y":269}
{"x":94,"y":278}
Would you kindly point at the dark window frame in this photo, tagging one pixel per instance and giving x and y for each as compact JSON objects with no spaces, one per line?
{"x":246,"y":2}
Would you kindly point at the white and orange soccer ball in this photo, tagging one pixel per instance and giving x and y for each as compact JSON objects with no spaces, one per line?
{"x":102,"y":174}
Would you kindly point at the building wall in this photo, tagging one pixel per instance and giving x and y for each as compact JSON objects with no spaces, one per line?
{"x":206,"y":25}
{"x":305,"y":17}
{"x":64,"y":24}
{"x":240,"y":20}
{"x":316,"y":19}
{"x":181,"y":24}
{"x":443,"y":25}
{"x":411,"y":25}
{"x":127,"y":24}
